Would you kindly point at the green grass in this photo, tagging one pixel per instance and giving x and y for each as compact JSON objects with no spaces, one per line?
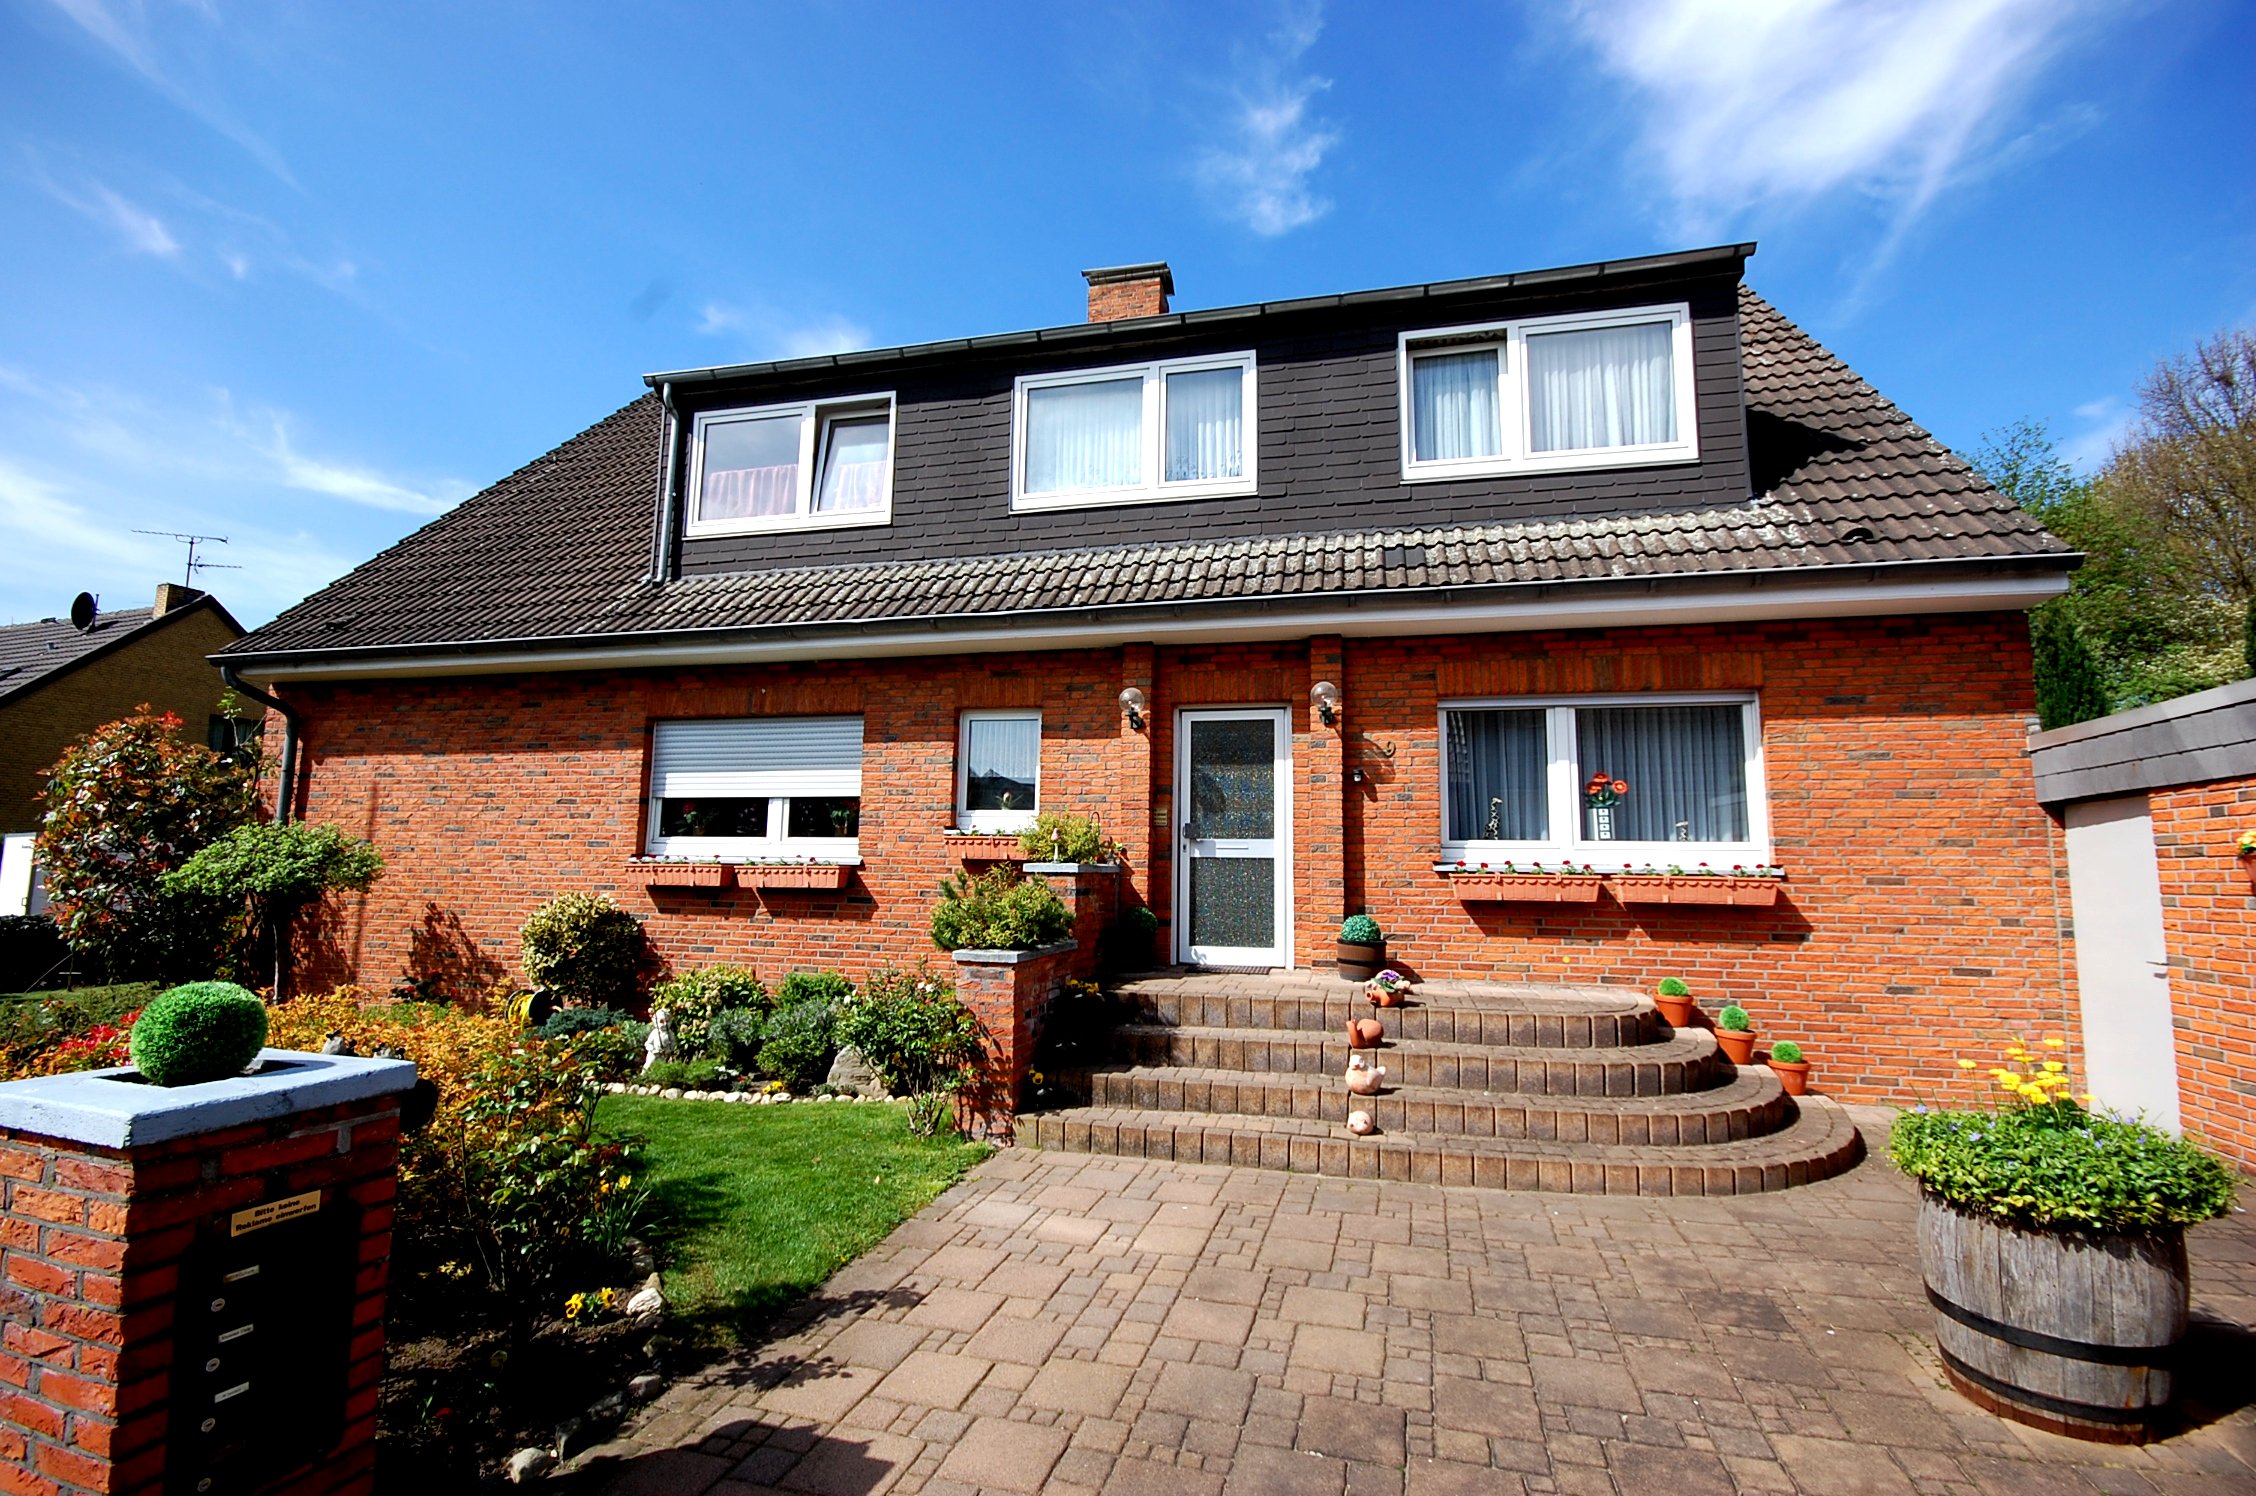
{"x":756,"y":1205}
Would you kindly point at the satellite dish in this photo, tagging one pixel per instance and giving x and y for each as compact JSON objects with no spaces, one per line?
{"x":83,"y":609}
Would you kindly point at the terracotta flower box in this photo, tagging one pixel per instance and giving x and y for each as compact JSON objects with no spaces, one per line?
{"x":997,"y":848}
{"x":1664,"y":888}
{"x":791,"y":875}
{"x":684,"y":874}
{"x":1525,"y":888}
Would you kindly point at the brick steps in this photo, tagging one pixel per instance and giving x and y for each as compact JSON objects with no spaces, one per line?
{"x":1461,"y":1013}
{"x":1684,"y":1062}
{"x":1819,"y":1141}
{"x":1749,"y":1104}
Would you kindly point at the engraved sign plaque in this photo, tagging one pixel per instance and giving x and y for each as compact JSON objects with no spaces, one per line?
{"x":261,"y":1340}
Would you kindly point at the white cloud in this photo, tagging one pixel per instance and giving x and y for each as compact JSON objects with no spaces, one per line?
{"x":141,"y":231}
{"x":128,"y":34}
{"x":773,"y":334}
{"x":2101,"y":426}
{"x":1261,"y":175}
{"x":1751,"y":103}
{"x":353,"y":484}
{"x":831,"y":335}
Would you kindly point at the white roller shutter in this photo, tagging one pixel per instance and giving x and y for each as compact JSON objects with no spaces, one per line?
{"x":752,"y":758}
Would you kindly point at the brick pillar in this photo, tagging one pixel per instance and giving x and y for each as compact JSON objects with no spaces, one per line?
{"x":1320,"y":767}
{"x":1009,"y":993}
{"x":243,"y":1226}
{"x":1092,"y":891}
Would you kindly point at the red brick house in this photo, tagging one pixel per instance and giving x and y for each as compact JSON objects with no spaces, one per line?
{"x":1318,"y":605}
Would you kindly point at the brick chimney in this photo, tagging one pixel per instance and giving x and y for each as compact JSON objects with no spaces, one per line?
{"x":171,"y":596}
{"x":1129,"y":291}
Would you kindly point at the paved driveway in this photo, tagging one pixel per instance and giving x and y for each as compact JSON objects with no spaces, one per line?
{"x":1067,"y":1323}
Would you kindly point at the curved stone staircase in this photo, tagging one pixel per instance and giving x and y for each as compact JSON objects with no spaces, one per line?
{"x":1542,"y":1087}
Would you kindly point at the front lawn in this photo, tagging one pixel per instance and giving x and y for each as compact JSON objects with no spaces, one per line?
{"x":756,"y":1205}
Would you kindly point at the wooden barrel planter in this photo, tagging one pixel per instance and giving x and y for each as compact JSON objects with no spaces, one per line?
{"x":2067,"y":1331}
{"x":1358,"y":962}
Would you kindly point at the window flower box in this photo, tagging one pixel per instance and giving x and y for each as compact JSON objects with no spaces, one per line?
{"x":1751,"y":891}
{"x":1485,"y":886}
{"x":706,"y":875}
{"x":791,"y":875}
{"x":972,"y":846}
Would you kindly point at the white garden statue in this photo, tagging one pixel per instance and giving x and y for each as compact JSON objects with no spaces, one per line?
{"x":660,"y":1045}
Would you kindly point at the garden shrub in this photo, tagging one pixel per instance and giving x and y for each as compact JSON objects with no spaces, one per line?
{"x":42,"y":1034}
{"x":201,"y":1031}
{"x":1786,"y":1052}
{"x":2057,"y":1165}
{"x":1674,"y":987}
{"x":998,"y":911}
{"x":690,"y":1075}
{"x":584,"y":947}
{"x":127,"y":804}
{"x":565,"y":1022}
{"x":735,"y":1038}
{"x":270,"y":873}
{"x":1735,"y":1019}
{"x":799,"y":1043}
{"x":1061,"y":836}
{"x":696,"y":998}
{"x":814,"y":986}
{"x":1360,"y":929}
{"x":913,"y":1032}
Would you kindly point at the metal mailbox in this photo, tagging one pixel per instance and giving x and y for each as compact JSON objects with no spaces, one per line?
{"x":261,"y":1342}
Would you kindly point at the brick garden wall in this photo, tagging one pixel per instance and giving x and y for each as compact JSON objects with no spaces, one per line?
{"x":2209,"y":926}
{"x":1925,"y":910}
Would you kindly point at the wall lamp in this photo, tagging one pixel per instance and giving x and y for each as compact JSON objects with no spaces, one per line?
{"x":1132,"y":704}
{"x":1325,"y":697}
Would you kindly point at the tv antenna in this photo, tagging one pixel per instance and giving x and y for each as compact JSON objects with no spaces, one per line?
{"x":188,"y":572}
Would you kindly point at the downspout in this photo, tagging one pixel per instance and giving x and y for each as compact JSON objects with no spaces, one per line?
{"x":289,"y":716}
{"x":662,"y":553}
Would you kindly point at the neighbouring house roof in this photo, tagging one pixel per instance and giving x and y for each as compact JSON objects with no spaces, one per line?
{"x":2192,"y":739}
{"x":32,"y":654}
{"x":556,"y":557}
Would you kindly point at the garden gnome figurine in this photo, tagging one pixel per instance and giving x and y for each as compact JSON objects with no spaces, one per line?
{"x":660,"y":1045}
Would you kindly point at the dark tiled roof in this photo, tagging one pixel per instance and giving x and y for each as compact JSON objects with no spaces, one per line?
{"x":560,"y":550}
{"x":30,"y":652}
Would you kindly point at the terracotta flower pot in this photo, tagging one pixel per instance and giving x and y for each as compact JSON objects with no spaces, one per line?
{"x":1359,"y":962}
{"x":1385,"y":997}
{"x":1364,"y":1033}
{"x":1794,"y":1077}
{"x":2248,"y":869}
{"x":1738,"y":1045}
{"x":1676,"y":1012}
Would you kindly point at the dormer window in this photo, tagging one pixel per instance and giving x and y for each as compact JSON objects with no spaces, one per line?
{"x":1180,"y":429}
{"x":1607,"y":389}
{"x":792,"y":467}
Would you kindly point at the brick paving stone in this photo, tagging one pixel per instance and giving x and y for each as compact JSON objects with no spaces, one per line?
{"x":1082,"y":1323}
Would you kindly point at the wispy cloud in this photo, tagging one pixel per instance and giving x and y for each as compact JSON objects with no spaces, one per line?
{"x":769,"y":333}
{"x":1754,"y":103}
{"x":2101,"y":426}
{"x":129,"y":34}
{"x":1261,"y":175}
{"x":141,"y":231}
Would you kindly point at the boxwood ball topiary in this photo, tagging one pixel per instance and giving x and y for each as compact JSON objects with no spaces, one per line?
{"x":198,"y":1032}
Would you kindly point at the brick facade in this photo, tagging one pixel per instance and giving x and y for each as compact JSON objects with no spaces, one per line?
{"x":2209,"y":924}
{"x":1925,"y":907}
{"x":91,"y":1245}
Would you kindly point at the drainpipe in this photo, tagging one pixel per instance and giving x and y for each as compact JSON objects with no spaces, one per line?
{"x":662,"y":553}
{"x":289,"y":716}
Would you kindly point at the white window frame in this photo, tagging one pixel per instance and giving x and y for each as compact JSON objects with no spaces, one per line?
{"x":1515,"y":446}
{"x":773,"y":847}
{"x":1564,"y":791}
{"x":1153,"y":489}
{"x":994,"y":822}
{"x":815,"y":417}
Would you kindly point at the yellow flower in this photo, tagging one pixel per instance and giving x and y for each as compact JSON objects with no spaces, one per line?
{"x":1966,"y":1064}
{"x":2054,"y":1066}
{"x":2056,"y":1043}
{"x":574,"y":1304}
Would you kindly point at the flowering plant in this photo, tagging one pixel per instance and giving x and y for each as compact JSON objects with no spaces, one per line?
{"x":1603,"y":790}
{"x":2044,"y":1160}
{"x":2246,"y":845}
{"x":1387,"y":983}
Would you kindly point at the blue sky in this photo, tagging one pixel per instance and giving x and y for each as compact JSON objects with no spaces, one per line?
{"x":303,"y":275}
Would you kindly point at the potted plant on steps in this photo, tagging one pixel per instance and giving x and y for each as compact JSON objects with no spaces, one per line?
{"x":2052,"y":1239}
{"x":2245,"y":851}
{"x":1792,"y":1070}
{"x":1362,"y":948}
{"x":1674,"y":998}
{"x":1735,"y":1035}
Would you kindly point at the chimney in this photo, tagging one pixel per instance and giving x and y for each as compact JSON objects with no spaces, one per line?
{"x":1122,"y":291}
{"x":171,"y":597}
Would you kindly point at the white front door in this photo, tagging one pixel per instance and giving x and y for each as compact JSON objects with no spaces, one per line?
{"x":1233,"y":837}
{"x":2122,"y":963}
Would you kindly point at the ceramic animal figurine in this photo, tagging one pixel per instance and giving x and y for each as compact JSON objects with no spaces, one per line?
{"x":1359,"y":1123}
{"x":660,"y":1045}
{"x":1387,"y":989}
{"x":1364,"y":1033}
{"x":1363,"y":1077}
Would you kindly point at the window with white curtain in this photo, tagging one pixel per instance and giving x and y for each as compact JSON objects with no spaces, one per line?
{"x":1608,"y":781}
{"x":998,"y":770}
{"x":1610,"y":389}
{"x":788,"y":467}
{"x":756,"y":787}
{"x":1180,"y":429}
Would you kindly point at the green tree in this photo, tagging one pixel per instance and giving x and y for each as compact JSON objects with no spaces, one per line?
{"x":2069,"y":685}
{"x":271,"y":873}
{"x":127,"y":805}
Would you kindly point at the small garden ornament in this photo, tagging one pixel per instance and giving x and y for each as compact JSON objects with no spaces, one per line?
{"x":1360,"y":1123}
{"x":1362,"y":948}
{"x":1362,"y":1076}
{"x":1735,"y":1035}
{"x":1387,"y":989}
{"x":659,"y":1048}
{"x":1602,"y":794}
{"x":1364,"y":1033}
